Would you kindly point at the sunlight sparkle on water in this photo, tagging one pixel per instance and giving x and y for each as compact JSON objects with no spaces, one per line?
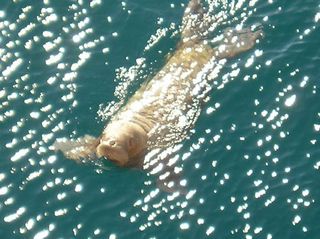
{"x":184,"y":226}
{"x":4,"y":190}
{"x":78,"y":188}
{"x":317,"y":17}
{"x":42,"y":234}
{"x":249,"y":61}
{"x":316,"y":127}
{"x":290,"y":101}
{"x":13,"y":67}
{"x":296,"y":220}
{"x":35,"y":115}
{"x":20,"y":154}
{"x":2,"y":14}
{"x":210,"y":230}
{"x":15,"y":215}
{"x":34,"y":175}
{"x":60,"y":212}
{"x":54,"y":59}
{"x":30,"y":224}
{"x":113,"y":236}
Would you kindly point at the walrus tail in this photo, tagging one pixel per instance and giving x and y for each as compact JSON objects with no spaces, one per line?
{"x":195,"y":31}
{"x":192,"y":22}
{"x":238,"y":41}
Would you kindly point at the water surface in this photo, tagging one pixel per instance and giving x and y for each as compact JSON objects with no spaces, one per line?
{"x":252,"y":163}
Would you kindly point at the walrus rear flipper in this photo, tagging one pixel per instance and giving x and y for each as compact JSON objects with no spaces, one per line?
{"x":82,"y":148}
{"x":192,"y":22}
{"x":238,"y":41}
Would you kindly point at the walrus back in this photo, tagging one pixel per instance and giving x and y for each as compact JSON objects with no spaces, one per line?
{"x":168,"y":105}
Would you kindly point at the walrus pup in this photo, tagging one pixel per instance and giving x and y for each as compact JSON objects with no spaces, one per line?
{"x":164,"y":109}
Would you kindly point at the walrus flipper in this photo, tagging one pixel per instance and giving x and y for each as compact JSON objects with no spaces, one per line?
{"x":81,"y":148}
{"x":192,"y":22}
{"x":238,"y":41}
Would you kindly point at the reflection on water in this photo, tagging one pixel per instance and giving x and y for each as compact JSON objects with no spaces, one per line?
{"x":250,"y":164}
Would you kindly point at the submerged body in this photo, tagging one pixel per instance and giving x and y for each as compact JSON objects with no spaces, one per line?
{"x":164,"y":109}
{"x":162,"y":112}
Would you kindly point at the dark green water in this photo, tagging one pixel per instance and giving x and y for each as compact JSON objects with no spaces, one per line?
{"x":253,"y":160}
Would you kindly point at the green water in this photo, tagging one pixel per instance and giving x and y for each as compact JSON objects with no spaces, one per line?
{"x":253,"y":160}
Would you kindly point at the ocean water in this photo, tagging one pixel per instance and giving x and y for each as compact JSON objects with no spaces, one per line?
{"x":252,"y":161}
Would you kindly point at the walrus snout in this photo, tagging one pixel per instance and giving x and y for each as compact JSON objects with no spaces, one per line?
{"x":104,"y":147}
{"x":101,"y":149}
{"x":113,"y":151}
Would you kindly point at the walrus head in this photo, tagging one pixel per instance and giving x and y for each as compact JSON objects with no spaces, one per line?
{"x":122,"y":141}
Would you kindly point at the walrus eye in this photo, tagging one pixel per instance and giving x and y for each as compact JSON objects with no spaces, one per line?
{"x":112,"y":142}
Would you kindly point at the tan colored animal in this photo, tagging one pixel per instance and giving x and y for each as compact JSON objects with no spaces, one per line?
{"x":162,"y":112}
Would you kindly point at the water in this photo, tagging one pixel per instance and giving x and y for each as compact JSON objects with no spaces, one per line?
{"x":252,"y":163}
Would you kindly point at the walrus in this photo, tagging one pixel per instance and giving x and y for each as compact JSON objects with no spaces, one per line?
{"x":164,"y":109}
